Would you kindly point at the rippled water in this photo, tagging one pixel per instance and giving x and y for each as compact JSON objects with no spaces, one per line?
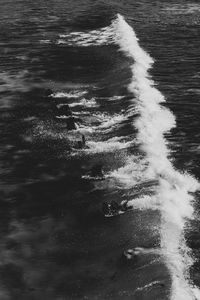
{"x":56,"y":241}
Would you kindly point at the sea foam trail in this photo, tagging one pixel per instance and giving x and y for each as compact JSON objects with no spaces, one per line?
{"x":172,"y":193}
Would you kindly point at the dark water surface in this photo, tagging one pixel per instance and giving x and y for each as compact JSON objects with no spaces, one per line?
{"x":55,"y":241}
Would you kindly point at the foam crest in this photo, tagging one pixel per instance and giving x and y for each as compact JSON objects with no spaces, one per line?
{"x":172,"y":196}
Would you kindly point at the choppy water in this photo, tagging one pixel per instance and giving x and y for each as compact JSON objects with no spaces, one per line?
{"x":129,"y":73}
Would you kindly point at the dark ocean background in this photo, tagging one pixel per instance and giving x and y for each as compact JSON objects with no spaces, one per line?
{"x":55,"y":241}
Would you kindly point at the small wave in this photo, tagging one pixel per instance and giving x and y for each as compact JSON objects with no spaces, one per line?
{"x":107,"y":146}
{"x":115,"y":98}
{"x":84,"y":129}
{"x":99,"y":37}
{"x":61,"y":42}
{"x":81,"y":113}
{"x":149,"y":285}
{"x":73,"y":94}
{"x":132,"y":173}
{"x":85,"y":103}
{"x":89,"y":177}
{"x":106,"y":123}
{"x":45,"y":42}
{"x":110,"y":121}
{"x":145,"y":202}
{"x":179,"y":9}
{"x":63,"y":117}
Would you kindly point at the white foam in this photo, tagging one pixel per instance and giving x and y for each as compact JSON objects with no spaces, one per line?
{"x":172,"y":195}
{"x":101,"y":123}
{"x":45,"y":41}
{"x":147,"y":286}
{"x":145,"y":202}
{"x":107,"y":146}
{"x":99,"y":37}
{"x":115,"y":98}
{"x":81,"y":113}
{"x":85,"y":103}
{"x":85,"y":129}
{"x":60,"y":42}
{"x":132,"y":173}
{"x":108,"y":121}
{"x":72,"y":94}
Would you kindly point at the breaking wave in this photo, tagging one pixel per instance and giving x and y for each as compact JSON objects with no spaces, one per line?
{"x":172,"y":197}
